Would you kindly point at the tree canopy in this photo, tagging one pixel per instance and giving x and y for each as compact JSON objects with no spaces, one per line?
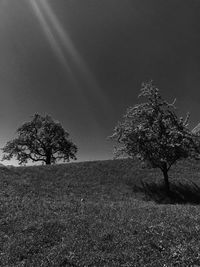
{"x":152,"y":132}
{"x":40,"y":140}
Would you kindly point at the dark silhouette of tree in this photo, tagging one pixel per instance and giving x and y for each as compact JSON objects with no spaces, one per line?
{"x":40,"y":140}
{"x":152,"y":132}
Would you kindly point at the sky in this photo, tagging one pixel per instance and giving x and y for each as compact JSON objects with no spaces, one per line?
{"x":83,"y":62}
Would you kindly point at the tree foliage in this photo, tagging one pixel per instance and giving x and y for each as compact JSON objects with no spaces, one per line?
{"x":152,"y":132}
{"x":40,"y":140}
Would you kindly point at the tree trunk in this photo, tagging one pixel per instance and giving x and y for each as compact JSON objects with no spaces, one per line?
{"x":166,"y":179}
{"x":48,"y":160}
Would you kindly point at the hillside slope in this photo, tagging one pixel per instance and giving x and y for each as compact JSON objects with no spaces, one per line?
{"x":106,"y":213}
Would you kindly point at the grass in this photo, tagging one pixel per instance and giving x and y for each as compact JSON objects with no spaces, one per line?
{"x":106,"y":213}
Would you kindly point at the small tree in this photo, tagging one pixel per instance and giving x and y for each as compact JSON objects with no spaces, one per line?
{"x":41,"y":139}
{"x":152,"y":132}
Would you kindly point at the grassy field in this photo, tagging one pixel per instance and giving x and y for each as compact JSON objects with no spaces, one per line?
{"x":106,"y":213}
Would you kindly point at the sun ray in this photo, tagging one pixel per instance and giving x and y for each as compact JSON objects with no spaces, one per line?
{"x":75,"y":57}
{"x":76,"y":68}
{"x":50,"y":35}
{"x":55,"y":45}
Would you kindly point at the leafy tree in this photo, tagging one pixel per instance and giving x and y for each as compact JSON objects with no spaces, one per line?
{"x":152,"y":132}
{"x":41,"y":139}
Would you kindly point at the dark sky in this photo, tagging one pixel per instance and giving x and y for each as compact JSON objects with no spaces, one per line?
{"x":83,"y":62}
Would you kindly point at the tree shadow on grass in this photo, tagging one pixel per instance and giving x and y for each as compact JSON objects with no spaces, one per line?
{"x":180,"y":193}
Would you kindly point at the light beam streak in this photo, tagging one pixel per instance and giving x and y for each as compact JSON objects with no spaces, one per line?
{"x":63,"y":47}
{"x":50,"y":35}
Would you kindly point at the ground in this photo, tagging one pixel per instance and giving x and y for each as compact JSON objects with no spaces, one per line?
{"x":106,"y":213}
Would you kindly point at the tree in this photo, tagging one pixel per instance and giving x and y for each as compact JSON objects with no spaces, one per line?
{"x":40,"y":140}
{"x":152,"y":132}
